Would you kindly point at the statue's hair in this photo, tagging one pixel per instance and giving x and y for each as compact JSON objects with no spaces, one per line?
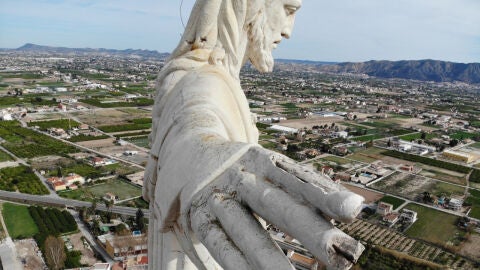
{"x":216,"y":26}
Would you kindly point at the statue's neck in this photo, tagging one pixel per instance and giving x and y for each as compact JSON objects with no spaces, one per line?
{"x":233,"y":62}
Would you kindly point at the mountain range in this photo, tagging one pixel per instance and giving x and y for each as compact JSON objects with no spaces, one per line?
{"x":29,"y":47}
{"x":423,"y":70}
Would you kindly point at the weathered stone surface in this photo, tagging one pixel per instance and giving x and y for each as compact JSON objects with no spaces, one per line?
{"x":207,"y":173}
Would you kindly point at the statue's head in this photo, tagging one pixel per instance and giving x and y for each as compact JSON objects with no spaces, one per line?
{"x":243,"y":29}
{"x":266,"y":30}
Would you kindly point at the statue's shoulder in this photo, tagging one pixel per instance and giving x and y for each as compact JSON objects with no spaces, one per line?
{"x":211,"y":77}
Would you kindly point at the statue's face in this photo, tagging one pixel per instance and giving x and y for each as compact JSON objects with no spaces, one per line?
{"x":268,"y":30}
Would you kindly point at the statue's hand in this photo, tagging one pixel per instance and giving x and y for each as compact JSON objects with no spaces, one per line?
{"x":293,"y":198}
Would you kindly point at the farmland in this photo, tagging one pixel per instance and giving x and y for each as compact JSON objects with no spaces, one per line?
{"x":396,"y":202}
{"x":120,"y":188}
{"x":26,"y":143}
{"x":22,"y":179}
{"x":444,"y":231}
{"x":64,"y":124}
{"x":18,"y":221}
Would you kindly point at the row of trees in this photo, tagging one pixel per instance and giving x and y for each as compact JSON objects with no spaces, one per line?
{"x":428,"y":161}
{"x":51,"y":221}
{"x":475,"y":176}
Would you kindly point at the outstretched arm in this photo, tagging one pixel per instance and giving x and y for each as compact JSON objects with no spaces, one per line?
{"x":293,"y":198}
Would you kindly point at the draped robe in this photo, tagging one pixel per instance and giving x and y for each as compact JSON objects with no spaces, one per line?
{"x":202,"y":125}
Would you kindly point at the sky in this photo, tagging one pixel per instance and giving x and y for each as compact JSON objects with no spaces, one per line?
{"x":333,"y":30}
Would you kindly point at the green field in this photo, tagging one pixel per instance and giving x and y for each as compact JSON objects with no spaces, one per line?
{"x":476,"y":145}
{"x":268,"y":144}
{"x":432,"y":225}
{"x":447,"y":189}
{"x":120,"y":188}
{"x":445,"y":175}
{"x":416,"y":136}
{"x":141,"y":141}
{"x":460,"y":135}
{"x":367,"y":155}
{"x":138,"y":102}
{"x":18,"y":221}
{"x":4,"y":156}
{"x":380,"y":124}
{"x":475,"y":212}
{"x":338,"y":160}
{"x":367,"y":138}
{"x":65,"y":124}
{"x":135,"y":124}
{"x":396,"y":202}
{"x":474,"y":200}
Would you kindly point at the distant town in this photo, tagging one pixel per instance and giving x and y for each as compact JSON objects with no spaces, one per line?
{"x":74,"y":132}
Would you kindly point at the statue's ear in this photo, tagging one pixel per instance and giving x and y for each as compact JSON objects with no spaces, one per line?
{"x":201,"y":31}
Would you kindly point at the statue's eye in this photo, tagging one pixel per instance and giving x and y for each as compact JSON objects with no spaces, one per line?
{"x":290,"y":10}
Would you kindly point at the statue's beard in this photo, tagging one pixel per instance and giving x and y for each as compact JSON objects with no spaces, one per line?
{"x":259,"y":48}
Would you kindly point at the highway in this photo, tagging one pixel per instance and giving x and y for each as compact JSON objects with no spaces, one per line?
{"x":48,"y":200}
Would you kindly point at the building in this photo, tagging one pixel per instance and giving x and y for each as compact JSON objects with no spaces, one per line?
{"x":391,"y":218}
{"x":119,"y":247}
{"x":384,"y":208}
{"x":130,"y":153}
{"x":342,"y":177}
{"x":72,"y":178}
{"x":97,"y":161}
{"x":408,"y":216}
{"x":110,"y":197}
{"x":341,"y":134}
{"x":462,"y":156}
{"x":56,"y":183}
{"x":283,"y":129}
{"x":407,"y":168}
{"x":455,"y":204}
{"x":327,"y":170}
{"x":6,"y":116}
{"x":301,"y":261}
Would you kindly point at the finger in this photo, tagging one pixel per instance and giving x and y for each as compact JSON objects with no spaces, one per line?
{"x":261,"y":251}
{"x":212,"y":236}
{"x":332,"y":199}
{"x":302,"y":222}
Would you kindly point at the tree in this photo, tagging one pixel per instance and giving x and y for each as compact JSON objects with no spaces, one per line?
{"x":354,"y":117}
{"x":93,"y":207}
{"x":423,"y":136}
{"x":121,"y":229}
{"x":389,"y":143}
{"x":55,"y":252}
{"x":140,"y":220}
{"x":453,"y":142}
{"x":59,"y":172}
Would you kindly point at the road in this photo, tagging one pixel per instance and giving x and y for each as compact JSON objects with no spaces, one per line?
{"x":87,"y":149}
{"x":21,"y":197}
{"x":90,"y":238}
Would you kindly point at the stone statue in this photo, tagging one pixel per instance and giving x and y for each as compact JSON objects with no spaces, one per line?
{"x":209,"y":183}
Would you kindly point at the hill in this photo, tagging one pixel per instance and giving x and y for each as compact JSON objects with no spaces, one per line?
{"x":423,"y":70}
{"x":34,"y":48}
